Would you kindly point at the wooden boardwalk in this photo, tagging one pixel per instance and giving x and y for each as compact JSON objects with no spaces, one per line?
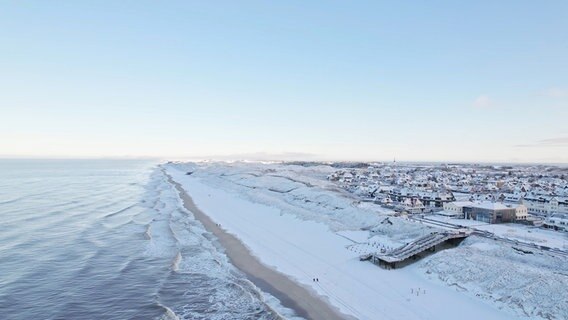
{"x":415,"y":247}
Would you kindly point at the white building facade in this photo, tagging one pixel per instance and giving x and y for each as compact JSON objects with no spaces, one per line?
{"x":456,"y":207}
{"x":545,"y":205}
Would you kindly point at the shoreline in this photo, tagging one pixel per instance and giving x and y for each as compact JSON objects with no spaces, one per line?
{"x":290,"y":294}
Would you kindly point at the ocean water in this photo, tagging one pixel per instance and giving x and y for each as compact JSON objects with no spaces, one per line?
{"x":102,"y":239}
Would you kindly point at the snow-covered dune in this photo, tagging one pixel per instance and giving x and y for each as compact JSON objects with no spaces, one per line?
{"x":530,"y":283}
{"x":302,"y":192}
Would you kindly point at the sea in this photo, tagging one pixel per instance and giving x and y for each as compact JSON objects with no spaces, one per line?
{"x":109,"y":239}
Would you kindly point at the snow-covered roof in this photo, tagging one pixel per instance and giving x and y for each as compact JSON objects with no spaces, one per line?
{"x":462,"y":203}
{"x":561,"y":216}
{"x":493,"y":205}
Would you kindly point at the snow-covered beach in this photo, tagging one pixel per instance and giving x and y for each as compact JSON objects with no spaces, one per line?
{"x":292,"y":221}
{"x":287,"y":291}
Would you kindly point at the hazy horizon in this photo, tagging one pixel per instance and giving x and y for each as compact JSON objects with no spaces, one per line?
{"x":479,"y":82}
{"x":268,"y":158}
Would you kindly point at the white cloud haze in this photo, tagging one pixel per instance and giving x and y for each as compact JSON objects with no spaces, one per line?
{"x":483,"y":101}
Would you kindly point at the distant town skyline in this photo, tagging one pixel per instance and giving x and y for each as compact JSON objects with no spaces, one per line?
{"x":447,"y":81}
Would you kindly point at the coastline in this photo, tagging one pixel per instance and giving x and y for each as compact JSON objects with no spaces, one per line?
{"x":291,"y":294}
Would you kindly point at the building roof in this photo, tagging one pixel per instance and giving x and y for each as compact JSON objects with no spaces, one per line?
{"x":561,"y":216}
{"x":493,"y":205}
{"x":463,"y":203}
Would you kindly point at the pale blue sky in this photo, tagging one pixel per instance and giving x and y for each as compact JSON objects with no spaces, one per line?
{"x":369,"y":80}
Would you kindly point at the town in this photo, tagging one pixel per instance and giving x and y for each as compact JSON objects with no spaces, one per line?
{"x":534,"y":195}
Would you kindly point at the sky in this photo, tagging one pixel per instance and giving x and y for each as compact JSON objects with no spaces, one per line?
{"x":470,"y":81}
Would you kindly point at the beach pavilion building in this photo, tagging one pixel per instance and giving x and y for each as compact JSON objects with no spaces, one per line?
{"x":490,"y":212}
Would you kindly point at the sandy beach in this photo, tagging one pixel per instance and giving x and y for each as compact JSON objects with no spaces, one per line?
{"x":290,"y":294}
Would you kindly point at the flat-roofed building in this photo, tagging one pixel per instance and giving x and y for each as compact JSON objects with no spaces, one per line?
{"x":490,"y":212}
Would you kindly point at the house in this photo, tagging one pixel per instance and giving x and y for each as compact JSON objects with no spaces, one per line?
{"x":521,"y":212}
{"x":511,"y":197}
{"x":347,"y":178}
{"x":545,"y":205}
{"x":456,"y":207}
{"x":557,"y":221}
{"x":413,"y":205}
{"x":427,"y":198}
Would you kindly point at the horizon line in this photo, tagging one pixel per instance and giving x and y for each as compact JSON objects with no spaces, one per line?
{"x":239,"y":159}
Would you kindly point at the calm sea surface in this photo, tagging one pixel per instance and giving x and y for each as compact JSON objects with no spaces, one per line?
{"x":101,"y":239}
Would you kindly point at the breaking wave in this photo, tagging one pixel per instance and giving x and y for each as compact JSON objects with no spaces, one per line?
{"x":114,"y":244}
